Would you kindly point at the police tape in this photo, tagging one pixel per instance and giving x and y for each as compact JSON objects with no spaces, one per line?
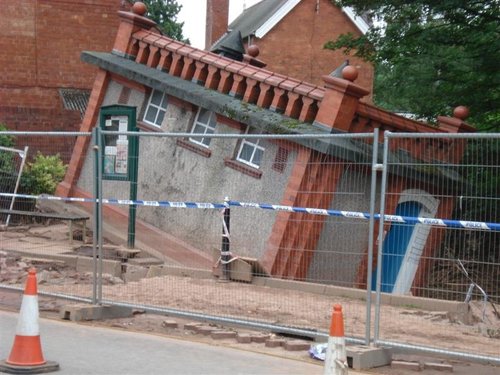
{"x":462,"y":224}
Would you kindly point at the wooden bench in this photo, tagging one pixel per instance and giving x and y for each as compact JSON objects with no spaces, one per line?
{"x":54,"y":215}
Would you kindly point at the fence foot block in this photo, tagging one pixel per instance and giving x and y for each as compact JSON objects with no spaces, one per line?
{"x":362,"y":357}
{"x":81,"y":312}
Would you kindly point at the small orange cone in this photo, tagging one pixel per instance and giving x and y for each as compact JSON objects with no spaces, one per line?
{"x":336,"y":356}
{"x":26,"y":356}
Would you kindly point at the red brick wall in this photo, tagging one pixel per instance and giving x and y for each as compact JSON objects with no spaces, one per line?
{"x":294,"y":47}
{"x":40,"y":46}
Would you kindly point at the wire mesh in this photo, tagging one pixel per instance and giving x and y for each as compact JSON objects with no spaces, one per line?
{"x":439,"y":284}
{"x":453,"y":178}
{"x":266,"y":245}
{"x":36,"y":235}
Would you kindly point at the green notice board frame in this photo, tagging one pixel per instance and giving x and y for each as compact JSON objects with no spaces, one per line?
{"x":119,"y":152}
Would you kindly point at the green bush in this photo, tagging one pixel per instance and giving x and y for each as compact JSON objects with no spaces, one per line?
{"x":42,"y":175}
{"x":6,"y":158}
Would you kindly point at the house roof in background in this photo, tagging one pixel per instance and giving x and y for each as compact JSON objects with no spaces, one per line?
{"x":259,"y":19}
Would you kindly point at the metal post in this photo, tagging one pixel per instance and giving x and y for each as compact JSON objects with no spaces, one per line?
{"x":99,"y":214}
{"x":18,"y":181}
{"x":134,"y":164}
{"x":371,"y":226}
{"x":95,"y":226}
{"x":225,"y":254}
{"x":381,"y":236}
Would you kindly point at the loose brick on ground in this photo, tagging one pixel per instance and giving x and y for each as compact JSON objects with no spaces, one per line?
{"x":275,"y":343}
{"x":438,"y":366}
{"x":244,"y":338}
{"x":222,"y":334}
{"x":205,"y":330}
{"x":260,"y":338}
{"x":191,"y":326}
{"x":406,"y":365}
{"x":296,"y":345}
{"x":169,"y":324}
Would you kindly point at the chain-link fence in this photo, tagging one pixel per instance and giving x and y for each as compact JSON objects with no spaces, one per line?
{"x":270,"y":231}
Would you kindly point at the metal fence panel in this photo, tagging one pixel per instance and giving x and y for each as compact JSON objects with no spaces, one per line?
{"x":177,"y":182}
{"x":36,"y":238}
{"x":302,"y":220}
{"x":454,"y":188}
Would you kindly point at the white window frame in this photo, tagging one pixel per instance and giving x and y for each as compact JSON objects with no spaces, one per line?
{"x":205,"y":126}
{"x":255,"y":145}
{"x":159,"y":108}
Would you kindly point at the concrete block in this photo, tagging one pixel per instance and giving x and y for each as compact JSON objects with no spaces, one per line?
{"x":405,"y":365}
{"x":296,"y":345}
{"x":145,"y":261}
{"x":243,"y":338}
{"x":301,"y":286}
{"x":111,"y":267}
{"x":275,"y":343}
{"x":81,"y":312}
{"x":240,"y":270}
{"x":362,"y":357}
{"x":169,"y":324}
{"x":438,"y":366}
{"x":222,"y":334}
{"x":162,"y":270}
{"x":134,"y":273}
{"x":155,"y":271}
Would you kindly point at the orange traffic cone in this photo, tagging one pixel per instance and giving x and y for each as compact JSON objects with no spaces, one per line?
{"x":26,"y":355}
{"x":336,"y":356}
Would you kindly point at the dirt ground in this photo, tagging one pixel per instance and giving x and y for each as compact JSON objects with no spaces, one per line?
{"x":241,"y":300}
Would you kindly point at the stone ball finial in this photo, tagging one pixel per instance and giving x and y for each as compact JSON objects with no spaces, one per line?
{"x":350,"y":73}
{"x":461,"y":112}
{"x":253,"y":50}
{"x":139,"y":8}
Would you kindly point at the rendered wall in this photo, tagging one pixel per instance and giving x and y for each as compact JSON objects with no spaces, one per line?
{"x":343,"y":241}
{"x":170,"y":172}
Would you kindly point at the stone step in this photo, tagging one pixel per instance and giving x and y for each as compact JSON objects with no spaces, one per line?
{"x":145,"y":261}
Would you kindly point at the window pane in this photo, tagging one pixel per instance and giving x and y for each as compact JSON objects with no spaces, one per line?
{"x":159,"y":120}
{"x":164,"y":102}
{"x":213,"y":120}
{"x":156,"y":97}
{"x":206,"y":141}
{"x":151,"y":114}
{"x":246,"y":152}
{"x":199,"y":129}
{"x":203,"y":116}
{"x":257,"y":157}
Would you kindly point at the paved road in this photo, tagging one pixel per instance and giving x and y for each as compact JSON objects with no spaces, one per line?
{"x":83,"y":349}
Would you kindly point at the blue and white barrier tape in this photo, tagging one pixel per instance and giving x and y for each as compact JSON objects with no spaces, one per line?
{"x":123,"y":202}
{"x":312,"y":211}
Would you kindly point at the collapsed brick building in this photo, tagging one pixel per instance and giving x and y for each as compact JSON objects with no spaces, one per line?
{"x":177,"y":88}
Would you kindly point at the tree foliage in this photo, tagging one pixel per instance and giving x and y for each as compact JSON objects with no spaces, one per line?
{"x":432,"y":55}
{"x":164,"y":13}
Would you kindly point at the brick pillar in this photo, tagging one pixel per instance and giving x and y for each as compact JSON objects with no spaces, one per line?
{"x":66,"y":187}
{"x":456,"y":124}
{"x":131,"y":22}
{"x":217,"y":20}
{"x":339,"y":104}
